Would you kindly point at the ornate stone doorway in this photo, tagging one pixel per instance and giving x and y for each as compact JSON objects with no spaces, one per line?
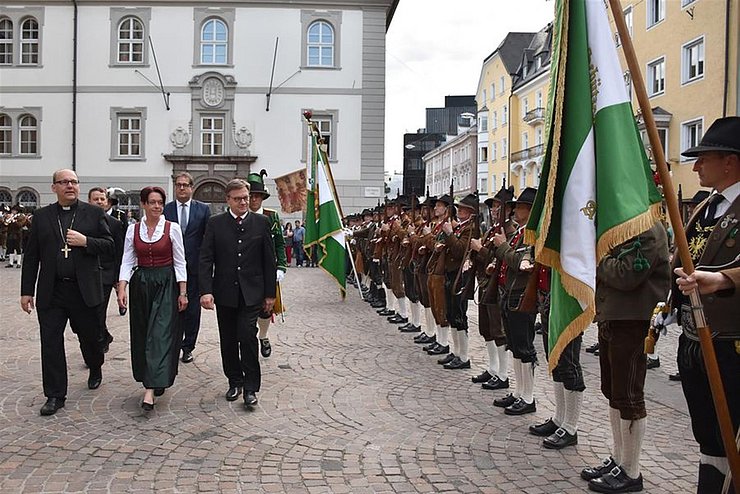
{"x":213,"y":194}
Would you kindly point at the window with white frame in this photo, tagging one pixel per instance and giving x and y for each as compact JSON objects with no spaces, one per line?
{"x":628,"y":84}
{"x":501,"y":85}
{"x":522,"y":178}
{"x":131,"y":41}
{"x":525,"y":107}
{"x":5,"y":198}
{"x":30,"y":42}
{"x":6,"y":41}
{"x":493,"y":91}
{"x":656,"y":77}
{"x":128,"y":130}
{"x":538,"y":136}
{"x":483,"y":185}
{"x":484,"y":96}
{"x":320,"y":39}
{"x":483,"y":154}
{"x":27,"y":199}
{"x":212,"y":135}
{"x":655,"y":12}
{"x":6,"y":134}
{"x":28,"y":127}
{"x":539,"y":99}
{"x":628,"y":19}
{"x":493,"y":151}
{"x":321,"y":45}
{"x":525,"y":140}
{"x":483,"y":122}
{"x":327,"y":133}
{"x":691,"y":133}
{"x":214,"y":46}
{"x":692,"y":60}
{"x":494,"y":122}
{"x":504,"y":115}
{"x":504,"y":148}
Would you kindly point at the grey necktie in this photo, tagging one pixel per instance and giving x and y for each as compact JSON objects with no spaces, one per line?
{"x":184,"y":217}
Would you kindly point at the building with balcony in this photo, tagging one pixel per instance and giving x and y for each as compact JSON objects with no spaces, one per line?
{"x":454,"y":160}
{"x":81,"y":89}
{"x":494,"y":99}
{"x":689,"y":54}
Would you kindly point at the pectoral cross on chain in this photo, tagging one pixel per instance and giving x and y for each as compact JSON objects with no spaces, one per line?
{"x":66,"y":251}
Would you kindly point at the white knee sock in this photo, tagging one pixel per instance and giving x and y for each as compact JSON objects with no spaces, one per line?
{"x":718,"y":462}
{"x":504,"y":357}
{"x":431,"y":326}
{"x":263,"y":324}
{"x":633,"y":431}
{"x":455,"y":337}
{"x":614,"y":420}
{"x":415,"y":313}
{"x":517,"y":365}
{"x":390,"y":299}
{"x":573,"y":402}
{"x":527,"y":381}
{"x":492,"y":358}
{"x":559,"y":403}
{"x":402,"y":307}
{"x":443,"y":335}
{"x":11,"y":259}
{"x":462,"y":339}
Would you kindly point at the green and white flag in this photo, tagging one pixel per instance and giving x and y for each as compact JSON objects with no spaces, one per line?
{"x":596,"y":189}
{"x":323,"y":223}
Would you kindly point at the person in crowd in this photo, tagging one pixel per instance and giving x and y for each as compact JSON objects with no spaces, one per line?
{"x":299,"y":233}
{"x":61,"y":271}
{"x":288,"y":237}
{"x":154,"y":266}
{"x":15,"y":223}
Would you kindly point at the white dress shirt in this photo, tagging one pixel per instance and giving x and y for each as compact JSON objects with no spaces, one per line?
{"x":130,"y":261}
{"x":187,"y":204}
{"x":729,"y":194}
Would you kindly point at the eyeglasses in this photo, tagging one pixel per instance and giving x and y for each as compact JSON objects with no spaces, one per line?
{"x":183,"y":186}
{"x":240,"y":199}
{"x":67,"y":182}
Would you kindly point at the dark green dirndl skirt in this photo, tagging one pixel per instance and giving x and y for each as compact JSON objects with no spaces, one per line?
{"x":156,"y":334}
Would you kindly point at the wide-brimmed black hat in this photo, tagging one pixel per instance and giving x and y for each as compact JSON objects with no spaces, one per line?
{"x":469,"y":201}
{"x":367,"y":212}
{"x":526,"y":197}
{"x":445,"y":199}
{"x":503,"y":196}
{"x":699,"y":197}
{"x":410,"y":201}
{"x":722,"y":135}
{"x":257,"y":183}
{"x":429,"y":201}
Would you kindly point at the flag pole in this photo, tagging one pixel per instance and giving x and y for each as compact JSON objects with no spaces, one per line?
{"x":705,"y":338}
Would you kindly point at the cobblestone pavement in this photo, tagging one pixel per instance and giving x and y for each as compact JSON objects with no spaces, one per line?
{"x":348,"y":405}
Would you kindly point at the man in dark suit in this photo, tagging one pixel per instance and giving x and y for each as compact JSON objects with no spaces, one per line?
{"x":192,"y":217}
{"x":65,"y":241}
{"x":110,"y":265}
{"x":237,"y":276}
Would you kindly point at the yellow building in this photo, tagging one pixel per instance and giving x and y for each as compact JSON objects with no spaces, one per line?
{"x":493,"y":99}
{"x":688,"y":53}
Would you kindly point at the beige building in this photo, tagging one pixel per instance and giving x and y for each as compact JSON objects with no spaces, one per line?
{"x":688,"y":54}
{"x":493,"y":99}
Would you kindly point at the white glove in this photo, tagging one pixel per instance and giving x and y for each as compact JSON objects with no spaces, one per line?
{"x":280,"y":275}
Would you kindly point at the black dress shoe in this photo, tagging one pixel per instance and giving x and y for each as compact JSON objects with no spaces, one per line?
{"x":615,"y":481}
{"x":674,"y":377}
{"x":51,"y":406}
{"x":250,"y":399}
{"x":386,"y":312}
{"x":590,"y":473}
{"x":457,"y":363}
{"x":265,"y":348}
{"x":377,"y":304}
{"x":148,"y":407}
{"x":108,"y":341}
{"x":158,"y":391}
{"x":482,"y":377}
{"x":560,"y":439}
{"x":544,"y":429}
{"x":653,"y":363}
{"x":187,"y":356}
{"x":95,"y":378}
{"x":596,"y":352}
{"x":122,"y":311}
{"x":439,"y":350}
{"x":496,"y":383}
{"x":446,"y":359}
{"x":233,"y":393}
{"x":412,"y":329}
{"x":398,"y":319}
{"x":405,"y":326}
{"x":520,"y":407}
{"x":504,"y":402}
{"x":431,"y":346}
{"x":592,"y":348}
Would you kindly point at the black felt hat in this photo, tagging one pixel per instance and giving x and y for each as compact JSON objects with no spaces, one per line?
{"x":469,"y":201}
{"x":445,"y":199}
{"x":526,"y":197}
{"x":257,"y":183}
{"x":722,"y":135}
{"x":429,"y":201}
{"x":503,"y":196}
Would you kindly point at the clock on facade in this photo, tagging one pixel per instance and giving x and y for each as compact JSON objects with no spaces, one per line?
{"x":213,"y":92}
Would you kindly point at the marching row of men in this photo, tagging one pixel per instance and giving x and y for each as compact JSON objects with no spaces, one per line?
{"x":431,"y":258}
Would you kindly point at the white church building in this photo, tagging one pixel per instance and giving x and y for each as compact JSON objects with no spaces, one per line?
{"x":130,"y":93}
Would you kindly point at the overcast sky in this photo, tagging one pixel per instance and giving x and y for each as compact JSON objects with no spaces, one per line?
{"x":435,"y":48}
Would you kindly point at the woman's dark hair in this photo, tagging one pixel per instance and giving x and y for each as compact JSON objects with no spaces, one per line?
{"x":144,"y":195}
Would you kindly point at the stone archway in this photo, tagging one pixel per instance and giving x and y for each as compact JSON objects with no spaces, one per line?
{"x":213,"y":194}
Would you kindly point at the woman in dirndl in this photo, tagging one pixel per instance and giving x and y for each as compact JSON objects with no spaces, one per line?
{"x":154,"y":265}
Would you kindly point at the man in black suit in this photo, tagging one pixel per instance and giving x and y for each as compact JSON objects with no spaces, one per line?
{"x":192,"y":217}
{"x":65,"y":241}
{"x":110,"y":265}
{"x":238,"y":278}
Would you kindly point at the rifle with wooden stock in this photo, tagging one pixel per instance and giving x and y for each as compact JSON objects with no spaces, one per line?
{"x":490,"y":295}
{"x":471,"y":258}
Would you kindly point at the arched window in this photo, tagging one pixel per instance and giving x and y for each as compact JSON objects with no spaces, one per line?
{"x":131,"y":41}
{"x":5,"y":198}
{"x":6,"y":41}
{"x":320,"y":44}
{"x":6,"y":135}
{"x":214,"y":44}
{"x":29,"y":134}
{"x":28,"y":199}
{"x":30,"y":42}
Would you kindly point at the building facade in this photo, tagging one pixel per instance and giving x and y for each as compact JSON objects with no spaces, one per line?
{"x":415,"y":146}
{"x":454,"y":160}
{"x":130,"y":95}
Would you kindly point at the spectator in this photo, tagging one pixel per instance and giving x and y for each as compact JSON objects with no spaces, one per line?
{"x":298,"y":235}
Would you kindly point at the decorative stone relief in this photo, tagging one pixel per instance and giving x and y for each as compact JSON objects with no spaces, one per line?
{"x":243,"y":138}
{"x":180,"y":137}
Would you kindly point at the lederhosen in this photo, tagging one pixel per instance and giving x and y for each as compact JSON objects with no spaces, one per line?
{"x":490,"y":325}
